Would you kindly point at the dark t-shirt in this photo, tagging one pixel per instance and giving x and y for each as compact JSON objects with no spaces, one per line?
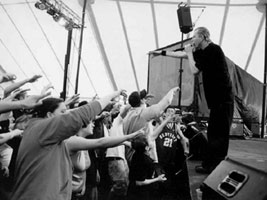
{"x":170,"y":151}
{"x":141,"y":169}
{"x":216,"y":79}
{"x":166,"y":144}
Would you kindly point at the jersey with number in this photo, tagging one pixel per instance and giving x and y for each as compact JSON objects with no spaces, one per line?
{"x":167,"y":143}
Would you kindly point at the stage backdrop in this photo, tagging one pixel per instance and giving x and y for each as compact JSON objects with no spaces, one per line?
{"x":164,"y":73}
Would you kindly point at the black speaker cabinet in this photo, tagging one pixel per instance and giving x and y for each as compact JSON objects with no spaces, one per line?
{"x":184,"y":18}
{"x":235,"y":181}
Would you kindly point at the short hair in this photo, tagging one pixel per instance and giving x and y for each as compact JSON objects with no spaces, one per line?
{"x":134,"y":99}
{"x":140,"y":143}
{"x":205,"y":32}
{"x":143,"y":94}
{"x":48,"y":105}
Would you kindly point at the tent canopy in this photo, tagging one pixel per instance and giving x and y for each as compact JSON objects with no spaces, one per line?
{"x":117,"y":37}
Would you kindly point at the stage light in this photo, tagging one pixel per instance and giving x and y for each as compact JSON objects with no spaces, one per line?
{"x":60,"y":20}
{"x":60,"y":12}
{"x":51,"y":11}
{"x":40,"y":6}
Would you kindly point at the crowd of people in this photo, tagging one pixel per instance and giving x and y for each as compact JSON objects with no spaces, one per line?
{"x":113,"y":148}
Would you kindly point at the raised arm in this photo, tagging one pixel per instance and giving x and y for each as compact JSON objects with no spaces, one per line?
{"x":175,"y":54}
{"x":79,"y":143}
{"x":107,"y":99}
{"x":187,"y":53}
{"x":184,"y":140}
{"x":29,"y":102}
{"x":4,"y":137}
{"x":157,"y":109}
{"x":158,"y":130}
{"x":18,"y":84}
{"x":7,"y":77}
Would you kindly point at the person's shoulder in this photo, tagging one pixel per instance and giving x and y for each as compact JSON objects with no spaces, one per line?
{"x":214,"y":46}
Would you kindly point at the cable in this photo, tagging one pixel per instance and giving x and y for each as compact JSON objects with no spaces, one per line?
{"x":15,"y":60}
{"x":86,"y":71}
{"x":28,"y":47}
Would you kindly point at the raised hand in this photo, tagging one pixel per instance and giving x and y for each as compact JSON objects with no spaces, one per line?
{"x":7,"y":77}
{"x":15,"y":94}
{"x":138,"y":133}
{"x":34,"y":78}
{"x":46,"y":88}
{"x":33,"y":101}
{"x":72,"y":100}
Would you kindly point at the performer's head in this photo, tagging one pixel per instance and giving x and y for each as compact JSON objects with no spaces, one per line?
{"x":201,"y":37}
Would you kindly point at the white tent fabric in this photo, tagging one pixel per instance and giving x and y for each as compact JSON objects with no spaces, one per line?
{"x":117,"y":38}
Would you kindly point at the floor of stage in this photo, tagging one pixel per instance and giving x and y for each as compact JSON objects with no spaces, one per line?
{"x":251,"y":152}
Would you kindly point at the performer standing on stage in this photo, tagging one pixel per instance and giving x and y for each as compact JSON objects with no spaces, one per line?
{"x":205,"y":56}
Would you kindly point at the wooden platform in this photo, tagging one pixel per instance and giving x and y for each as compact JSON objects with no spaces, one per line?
{"x":250,"y":152}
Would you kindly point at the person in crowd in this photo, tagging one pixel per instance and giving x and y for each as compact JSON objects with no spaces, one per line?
{"x":172,"y":148}
{"x":209,"y":58}
{"x":78,"y":146}
{"x":5,"y":77}
{"x":4,"y":137}
{"x":43,"y":166}
{"x":7,"y":105}
{"x":117,"y":165}
{"x":142,"y":171}
{"x":145,"y":97}
{"x":140,"y":116}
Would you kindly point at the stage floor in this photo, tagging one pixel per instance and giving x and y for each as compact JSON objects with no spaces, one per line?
{"x":251,"y":152}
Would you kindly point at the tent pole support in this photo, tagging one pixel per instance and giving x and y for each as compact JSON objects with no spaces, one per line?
{"x":264,"y":78}
{"x":80,"y":48}
{"x":180,"y":75}
{"x":67,"y":61}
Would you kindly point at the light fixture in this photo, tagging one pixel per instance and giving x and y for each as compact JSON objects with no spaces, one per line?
{"x":40,"y":5}
{"x":51,"y":11}
{"x":60,"y":12}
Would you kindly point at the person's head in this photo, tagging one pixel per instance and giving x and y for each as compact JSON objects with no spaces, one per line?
{"x":140,"y":144}
{"x":168,"y":111}
{"x":51,"y":107}
{"x":145,"y":97}
{"x":22,"y":121}
{"x":134,"y":99}
{"x":201,"y":37}
{"x":87,"y":130}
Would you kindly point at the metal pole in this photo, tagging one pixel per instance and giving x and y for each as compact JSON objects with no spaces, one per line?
{"x":264,"y":78}
{"x":180,"y":75}
{"x":80,"y":48}
{"x":67,"y":61}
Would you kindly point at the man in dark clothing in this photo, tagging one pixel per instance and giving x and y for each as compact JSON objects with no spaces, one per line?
{"x":207,"y":57}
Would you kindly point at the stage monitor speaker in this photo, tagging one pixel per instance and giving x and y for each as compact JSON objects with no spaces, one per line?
{"x":236,"y":181}
{"x":184,"y":18}
{"x":237,"y":128}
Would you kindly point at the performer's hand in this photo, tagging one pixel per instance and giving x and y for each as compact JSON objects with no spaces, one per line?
{"x":189,"y":48}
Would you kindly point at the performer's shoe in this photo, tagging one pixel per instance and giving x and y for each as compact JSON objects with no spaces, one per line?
{"x":203,"y":170}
